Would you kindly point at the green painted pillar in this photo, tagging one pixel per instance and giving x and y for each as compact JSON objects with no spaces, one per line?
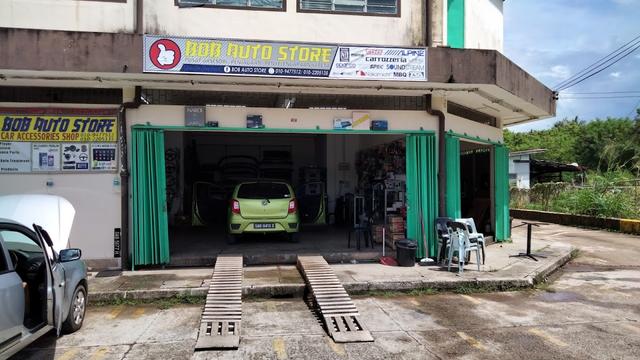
{"x":455,"y":23}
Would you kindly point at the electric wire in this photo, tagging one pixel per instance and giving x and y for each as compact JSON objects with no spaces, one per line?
{"x":597,"y":63}
{"x":596,"y":72}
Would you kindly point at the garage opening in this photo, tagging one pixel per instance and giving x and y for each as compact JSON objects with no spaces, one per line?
{"x":228,"y":193}
{"x":476,"y":181}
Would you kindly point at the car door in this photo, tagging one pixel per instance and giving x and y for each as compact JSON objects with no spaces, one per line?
{"x":56,"y":280}
{"x":11,"y":298}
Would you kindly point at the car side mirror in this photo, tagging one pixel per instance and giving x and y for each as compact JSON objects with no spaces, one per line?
{"x":69,"y":255}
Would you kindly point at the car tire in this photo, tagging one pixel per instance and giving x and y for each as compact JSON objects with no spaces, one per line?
{"x":77,"y":310}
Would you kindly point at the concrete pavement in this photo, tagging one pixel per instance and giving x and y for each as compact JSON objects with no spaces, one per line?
{"x":500,"y":272}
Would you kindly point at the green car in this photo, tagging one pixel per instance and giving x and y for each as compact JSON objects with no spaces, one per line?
{"x":263,"y":207}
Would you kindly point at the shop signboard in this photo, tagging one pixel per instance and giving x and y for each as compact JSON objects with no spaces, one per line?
{"x":103,"y":157}
{"x":187,"y":55}
{"x":75,"y":157}
{"x":45,"y":157}
{"x":55,"y":139}
{"x":15,"y":157}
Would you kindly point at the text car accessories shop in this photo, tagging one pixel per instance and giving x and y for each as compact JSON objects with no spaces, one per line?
{"x":350,"y":159}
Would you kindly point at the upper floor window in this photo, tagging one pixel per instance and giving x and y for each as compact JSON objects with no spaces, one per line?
{"x":381,"y":7}
{"x":256,"y":4}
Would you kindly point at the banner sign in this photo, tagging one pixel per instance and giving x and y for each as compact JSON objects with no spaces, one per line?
{"x":274,"y":59}
{"x":15,"y":157}
{"x":58,"y":140}
{"x":57,"y":128}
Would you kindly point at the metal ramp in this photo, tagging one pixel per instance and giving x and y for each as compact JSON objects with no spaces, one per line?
{"x":338,"y":312}
{"x":222,"y":314}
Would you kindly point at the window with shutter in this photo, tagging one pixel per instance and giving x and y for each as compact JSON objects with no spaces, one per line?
{"x":250,"y":4}
{"x":382,"y":7}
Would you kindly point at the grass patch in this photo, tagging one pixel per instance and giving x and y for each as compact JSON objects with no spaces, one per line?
{"x":163,"y":304}
{"x":460,"y":289}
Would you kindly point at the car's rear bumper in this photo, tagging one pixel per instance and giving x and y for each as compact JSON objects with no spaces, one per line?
{"x":239,"y":225}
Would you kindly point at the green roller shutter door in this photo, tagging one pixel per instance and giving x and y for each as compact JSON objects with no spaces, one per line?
{"x":148,"y":187}
{"x":422,"y":191}
{"x":503,"y":230}
{"x":455,"y":23}
{"x":452,"y":167}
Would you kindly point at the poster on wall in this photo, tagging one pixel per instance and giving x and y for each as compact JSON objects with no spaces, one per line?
{"x":75,"y":157}
{"x":190,"y":55}
{"x":42,"y":139}
{"x":15,"y":157}
{"x":103,"y":157}
{"x":45,"y":157}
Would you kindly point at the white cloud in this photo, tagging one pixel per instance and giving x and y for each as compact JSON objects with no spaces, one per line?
{"x":559,"y":72}
{"x":615,"y":74}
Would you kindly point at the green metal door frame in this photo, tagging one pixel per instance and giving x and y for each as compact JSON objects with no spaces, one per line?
{"x":501,"y":191}
{"x":149,"y":228}
{"x":500,"y":183}
{"x":422,"y":191}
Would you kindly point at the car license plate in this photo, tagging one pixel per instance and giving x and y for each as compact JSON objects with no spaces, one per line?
{"x":264,"y":226}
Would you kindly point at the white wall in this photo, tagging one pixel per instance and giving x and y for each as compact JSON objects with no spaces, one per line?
{"x":94,"y":196}
{"x":472,"y":128}
{"x":164,"y":17}
{"x":70,"y":15}
{"x":521,"y":170}
{"x":484,"y":28}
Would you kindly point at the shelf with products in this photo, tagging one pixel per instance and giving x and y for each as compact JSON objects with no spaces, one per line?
{"x":382,"y":181}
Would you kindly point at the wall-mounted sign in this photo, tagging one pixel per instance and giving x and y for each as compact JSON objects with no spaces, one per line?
{"x":15,"y":157}
{"x":194,"y":115}
{"x":56,"y":128}
{"x":273,"y":59}
{"x":55,"y":139}
{"x":103,"y":157}
{"x":75,"y":156}
{"x":45,"y":157}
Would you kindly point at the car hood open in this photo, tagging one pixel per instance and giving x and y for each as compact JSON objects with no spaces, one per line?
{"x":54,"y":213}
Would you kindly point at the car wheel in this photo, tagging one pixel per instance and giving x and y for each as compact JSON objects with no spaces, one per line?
{"x":77,"y":310}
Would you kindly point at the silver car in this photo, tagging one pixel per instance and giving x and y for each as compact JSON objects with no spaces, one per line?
{"x":43,"y":284}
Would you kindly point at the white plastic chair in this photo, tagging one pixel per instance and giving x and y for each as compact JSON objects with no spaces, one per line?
{"x":461,"y":243}
{"x":474,"y":235}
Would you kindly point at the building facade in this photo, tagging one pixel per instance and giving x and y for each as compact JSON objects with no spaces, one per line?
{"x":126,"y":107}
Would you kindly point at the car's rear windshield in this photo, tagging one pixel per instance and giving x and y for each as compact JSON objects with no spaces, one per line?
{"x":264,"y":191}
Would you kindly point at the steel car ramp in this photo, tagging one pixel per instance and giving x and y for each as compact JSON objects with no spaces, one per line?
{"x":222,"y":314}
{"x":339,"y":313}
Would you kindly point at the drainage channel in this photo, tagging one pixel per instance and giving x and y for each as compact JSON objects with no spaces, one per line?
{"x":222,"y":314}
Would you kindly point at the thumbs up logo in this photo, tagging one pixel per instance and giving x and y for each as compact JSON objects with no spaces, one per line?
{"x":165,"y":54}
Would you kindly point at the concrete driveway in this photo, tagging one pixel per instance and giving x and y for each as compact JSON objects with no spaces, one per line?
{"x":590,"y":311}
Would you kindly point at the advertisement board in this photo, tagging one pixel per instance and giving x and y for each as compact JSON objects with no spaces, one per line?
{"x":275,"y":59}
{"x":15,"y":157}
{"x":57,"y":139}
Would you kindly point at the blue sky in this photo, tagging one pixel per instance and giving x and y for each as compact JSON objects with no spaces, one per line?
{"x":553,"y":39}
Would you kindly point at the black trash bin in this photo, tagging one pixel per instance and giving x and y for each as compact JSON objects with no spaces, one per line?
{"x":406,"y":252}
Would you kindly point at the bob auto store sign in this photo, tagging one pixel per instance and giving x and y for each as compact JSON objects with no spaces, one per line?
{"x":257,"y":58}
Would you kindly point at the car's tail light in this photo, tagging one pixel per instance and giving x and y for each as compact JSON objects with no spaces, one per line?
{"x":235,"y":206}
{"x":293,"y":206}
